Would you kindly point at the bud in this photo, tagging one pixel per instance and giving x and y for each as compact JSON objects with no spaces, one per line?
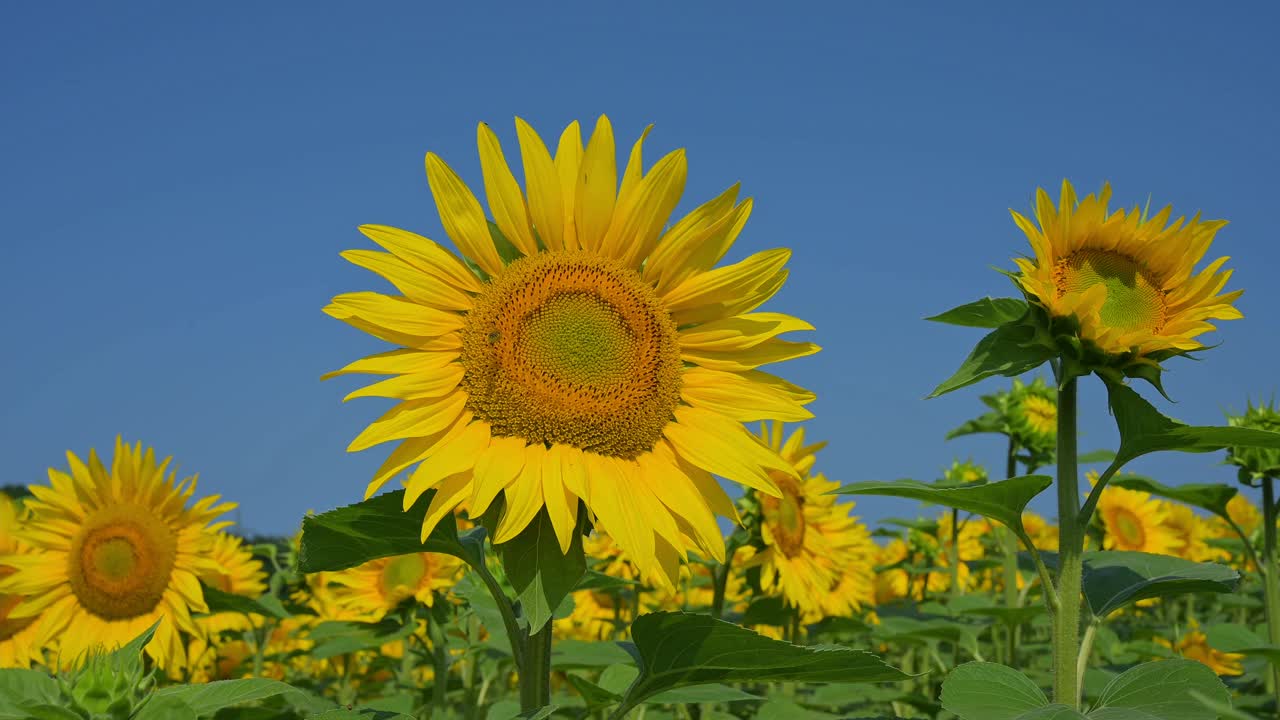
{"x":1256,"y":463}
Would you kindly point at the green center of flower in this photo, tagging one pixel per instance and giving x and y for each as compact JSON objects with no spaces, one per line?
{"x":402,"y":576}
{"x":571,"y":348}
{"x":1134,"y":301}
{"x":1129,"y":529}
{"x":121,"y":562}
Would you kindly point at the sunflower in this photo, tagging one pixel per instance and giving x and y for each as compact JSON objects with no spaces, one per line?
{"x":122,"y":549}
{"x":1033,"y":410}
{"x":807,"y":539}
{"x":1245,"y":514}
{"x":1256,"y":464}
{"x":964,"y":473}
{"x":18,"y":646}
{"x":234,"y":571}
{"x":1044,"y":536}
{"x":1194,"y":645}
{"x":378,"y":586}
{"x":1191,"y":532}
{"x":1127,"y":279}
{"x":577,"y":351}
{"x":1133,"y":520}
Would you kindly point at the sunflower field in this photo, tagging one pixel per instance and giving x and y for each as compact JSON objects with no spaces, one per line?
{"x":598,"y":505}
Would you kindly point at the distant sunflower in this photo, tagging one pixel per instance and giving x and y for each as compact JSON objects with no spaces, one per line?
{"x":1245,"y":514}
{"x":1191,"y":532}
{"x":581,"y":349}
{"x":1044,"y":536}
{"x":1133,"y":520}
{"x":378,"y":586}
{"x":1129,"y":280}
{"x":18,"y":641}
{"x":234,"y":570}
{"x":1194,"y":645}
{"x":1033,"y":410}
{"x":122,"y":549}
{"x":808,"y":539}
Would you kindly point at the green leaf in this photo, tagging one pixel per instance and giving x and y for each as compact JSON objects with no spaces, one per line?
{"x":1144,"y":430}
{"x":221,"y":601}
{"x":989,"y":691}
{"x":23,"y":687}
{"x":1052,"y":712}
{"x":1096,"y":456}
{"x":1232,"y":638}
{"x":768,"y":610}
{"x":592,"y":694}
{"x":542,"y":575}
{"x":595,"y":580}
{"x":1001,"y":501}
{"x":677,"y":649}
{"x":567,"y":654}
{"x":1224,"y":710}
{"x":1209,"y":496}
{"x":334,"y":638}
{"x":208,"y":698}
{"x":1009,"y":350}
{"x":1113,"y":579}
{"x":713,"y":693}
{"x":166,"y":708}
{"x":985,"y":313}
{"x":128,"y":657}
{"x":350,"y":714}
{"x":989,"y":423}
{"x":482,"y":604}
{"x":376,"y":528}
{"x":1162,"y":690}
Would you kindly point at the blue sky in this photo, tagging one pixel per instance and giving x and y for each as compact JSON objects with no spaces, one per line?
{"x":179,"y":180}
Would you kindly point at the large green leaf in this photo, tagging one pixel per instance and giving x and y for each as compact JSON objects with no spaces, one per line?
{"x":1233,"y":638}
{"x":1053,"y":712}
{"x":1113,"y":579}
{"x":208,"y":698}
{"x":677,"y":649}
{"x":20,"y":686}
{"x":985,"y":313}
{"x":1162,"y":690}
{"x":566,"y":654}
{"x":1144,"y":430}
{"x":1208,"y":496}
{"x":166,"y":708}
{"x":220,"y":601}
{"x":333,"y":638}
{"x":1009,"y":350}
{"x":378,"y":527}
{"x":542,"y":575}
{"x":1001,"y":501}
{"x":988,"y":691}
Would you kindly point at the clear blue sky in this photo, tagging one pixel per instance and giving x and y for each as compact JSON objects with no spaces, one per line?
{"x":178,"y":180}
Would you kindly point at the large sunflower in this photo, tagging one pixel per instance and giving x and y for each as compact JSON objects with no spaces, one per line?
{"x":122,"y":549}
{"x":1133,"y":520}
{"x":375,"y":588}
{"x":809,"y":540}
{"x":18,"y":646}
{"x":1128,"y":279}
{"x":578,"y":350}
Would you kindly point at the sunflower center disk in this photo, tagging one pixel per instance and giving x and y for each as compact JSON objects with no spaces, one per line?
{"x":1134,"y":300}
{"x":785,"y":515}
{"x":1129,"y":528}
{"x":402,"y":576}
{"x":574,"y":349}
{"x":121,"y":562}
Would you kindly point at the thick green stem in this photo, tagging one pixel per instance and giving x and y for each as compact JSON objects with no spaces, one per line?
{"x":1066,"y":621}
{"x":1271,"y":572}
{"x":535,"y":676}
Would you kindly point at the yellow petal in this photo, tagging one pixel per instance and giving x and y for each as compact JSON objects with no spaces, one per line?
{"x":458,"y":456}
{"x":740,"y":398}
{"x":496,"y":468}
{"x":769,"y":351}
{"x":398,"y":314}
{"x":740,"y":331}
{"x":666,"y":265}
{"x":414,"y":418}
{"x":723,"y":447}
{"x":505,"y":199}
{"x":562,"y":506}
{"x":396,"y":362}
{"x":635,"y":167}
{"x":568,"y":163}
{"x":418,"y":286}
{"x":414,"y":387}
{"x":462,"y":215}
{"x":597,"y":188}
{"x":639,"y":220}
{"x":416,"y":450}
{"x":523,"y":496}
{"x":726,"y":286}
{"x":543,"y":186}
{"x":449,"y":493}
{"x":424,"y":254}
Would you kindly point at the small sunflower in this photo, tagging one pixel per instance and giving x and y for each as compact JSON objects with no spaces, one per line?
{"x":1033,"y":410}
{"x":122,"y":548}
{"x":1127,"y":279}
{"x":808,"y":541}
{"x":18,"y":642}
{"x":234,"y":570}
{"x":964,"y":473}
{"x":1194,"y":645}
{"x":582,"y":349}
{"x":1191,"y":532}
{"x":1244,"y":514}
{"x":1044,"y":536}
{"x":378,"y":586}
{"x":1133,"y":520}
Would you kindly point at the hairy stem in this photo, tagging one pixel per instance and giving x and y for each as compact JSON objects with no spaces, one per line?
{"x":1066,"y":620}
{"x":1270,"y":570}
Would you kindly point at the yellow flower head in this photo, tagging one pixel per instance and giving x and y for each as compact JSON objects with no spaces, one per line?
{"x":811,"y":545}
{"x":378,"y":586}
{"x":583,"y":348}
{"x":964,"y":473}
{"x":1191,"y":532}
{"x":18,"y":642}
{"x":1034,"y":415}
{"x":1133,"y":520}
{"x":1194,"y":645}
{"x":1129,"y":280}
{"x":122,"y":548}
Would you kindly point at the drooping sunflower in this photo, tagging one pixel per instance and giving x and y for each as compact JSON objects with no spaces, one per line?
{"x":581,"y":349}
{"x":1133,"y":520}
{"x":1194,"y":645}
{"x":1129,"y":280}
{"x":123,"y":547}
{"x":18,"y":642}
{"x":808,"y":539}
{"x":375,"y":588}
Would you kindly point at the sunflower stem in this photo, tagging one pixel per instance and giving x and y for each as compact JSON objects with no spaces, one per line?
{"x":535,"y":676}
{"x":1086,"y":649}
{"x":1066,"y":620}
{"x":1270,"y":570}
{"x":721,"y":578}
